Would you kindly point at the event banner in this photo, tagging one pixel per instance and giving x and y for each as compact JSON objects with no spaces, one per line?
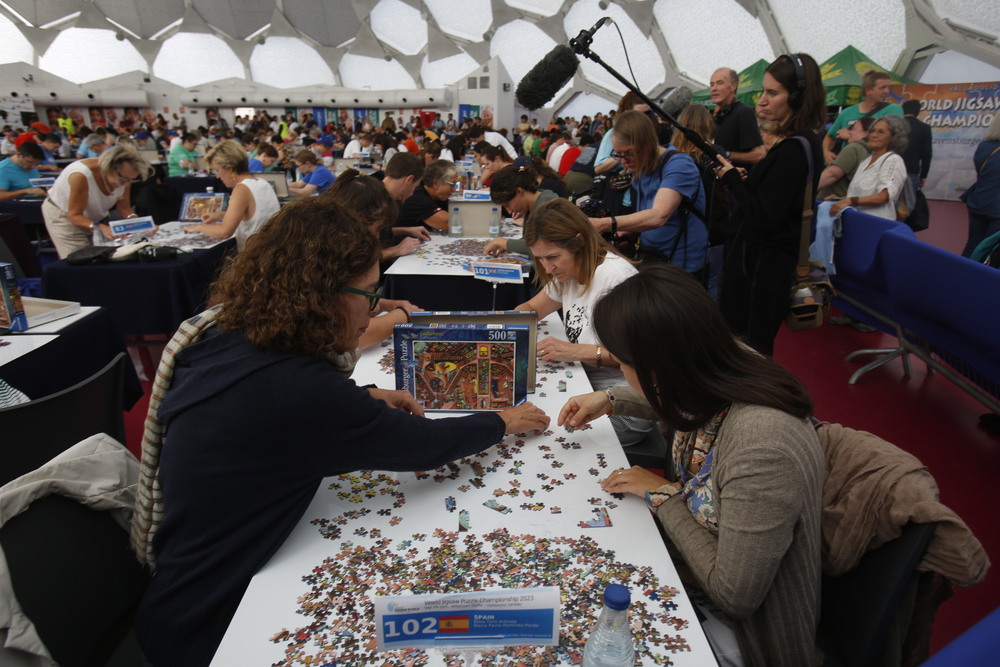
{"x":17,"y":111}
{"x":959,"y":115}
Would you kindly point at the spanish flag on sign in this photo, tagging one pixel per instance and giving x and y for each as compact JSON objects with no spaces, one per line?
{"x":453,"y":624}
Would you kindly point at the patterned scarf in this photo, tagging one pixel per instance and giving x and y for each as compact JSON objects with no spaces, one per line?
{"x":695,"y":450}
{"x":149,"y":496}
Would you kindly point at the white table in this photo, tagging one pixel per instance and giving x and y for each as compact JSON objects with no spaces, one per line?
{"x":393,"y":532}
{"x":434,"y":276}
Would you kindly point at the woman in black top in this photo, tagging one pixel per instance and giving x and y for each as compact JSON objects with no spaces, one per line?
{"x":762,"y":247}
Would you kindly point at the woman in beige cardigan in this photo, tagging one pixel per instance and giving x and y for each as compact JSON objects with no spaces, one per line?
{"x":742,"y":506}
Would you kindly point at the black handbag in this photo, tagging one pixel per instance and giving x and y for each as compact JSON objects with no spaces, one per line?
{"x":96,"y":254}
{"x":920,"y":217}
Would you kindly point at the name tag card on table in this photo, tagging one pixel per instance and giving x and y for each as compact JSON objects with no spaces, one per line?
{"x":132,"y":225}
{"x":509,"y":617}
{"x":496,"y":272}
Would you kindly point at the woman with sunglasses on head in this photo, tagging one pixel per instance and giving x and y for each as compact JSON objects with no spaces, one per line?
{"x":670,"y":200}
{"x":251,"y":204}
{"x":257,"y":406}
{"x":762,"y":248}
{"x":742,"y":498}
{"x":86,"y":191}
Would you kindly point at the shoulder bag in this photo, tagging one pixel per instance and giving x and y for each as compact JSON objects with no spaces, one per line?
{"x":812,"y":290}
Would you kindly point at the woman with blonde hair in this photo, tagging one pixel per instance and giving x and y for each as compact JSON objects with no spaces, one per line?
{"x":84,"y":193}
{"x":718,"y":207}
{"x":574,"y":268}
{"x":251,"y":204}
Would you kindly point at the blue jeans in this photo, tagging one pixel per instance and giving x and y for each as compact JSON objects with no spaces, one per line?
{"x":915,"y":179}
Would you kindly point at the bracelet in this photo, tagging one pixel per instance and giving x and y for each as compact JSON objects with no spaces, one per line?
{"x":405,"y":312}
{"x":598,"y":356}
{"x":614,"y":227}
{"x":611,"y":402}
{"x":854,"y":202}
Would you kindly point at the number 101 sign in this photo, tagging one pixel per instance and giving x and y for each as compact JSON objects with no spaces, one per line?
{"x":511,"y":617}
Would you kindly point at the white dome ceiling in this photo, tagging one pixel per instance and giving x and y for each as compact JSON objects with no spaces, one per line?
{"x":402,"y":44}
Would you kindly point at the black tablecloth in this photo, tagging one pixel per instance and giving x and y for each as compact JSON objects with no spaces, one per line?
{"x":28,"y":210}
{"x":144,"y":299}
{"x":455,"y":292}
{"x":81,"y":349}
{"x":185,"y":184}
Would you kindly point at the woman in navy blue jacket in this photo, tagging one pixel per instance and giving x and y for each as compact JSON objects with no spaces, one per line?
{"x":262,"y":408}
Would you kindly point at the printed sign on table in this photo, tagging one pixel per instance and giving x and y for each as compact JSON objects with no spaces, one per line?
{"x":527,"y":616}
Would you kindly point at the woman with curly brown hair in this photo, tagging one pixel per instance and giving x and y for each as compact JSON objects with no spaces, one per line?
{"x":260,"y":407}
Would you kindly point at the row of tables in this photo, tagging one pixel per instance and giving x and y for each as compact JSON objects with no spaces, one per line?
{"x":528,"y":512}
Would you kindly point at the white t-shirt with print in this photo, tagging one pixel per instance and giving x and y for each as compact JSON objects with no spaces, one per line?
{"x":578,"y":309}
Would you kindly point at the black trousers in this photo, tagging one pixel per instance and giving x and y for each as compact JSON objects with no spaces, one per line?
{"x":754,"y":292}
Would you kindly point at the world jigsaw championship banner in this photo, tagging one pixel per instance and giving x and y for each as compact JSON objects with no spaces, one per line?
{"x":959,"y":115}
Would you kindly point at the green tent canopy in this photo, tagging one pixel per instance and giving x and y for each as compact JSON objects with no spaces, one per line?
{"x":842,"y":76}
{"x":751,"y":84}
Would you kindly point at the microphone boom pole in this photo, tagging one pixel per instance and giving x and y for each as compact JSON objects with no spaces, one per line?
{"x":581,"y":46}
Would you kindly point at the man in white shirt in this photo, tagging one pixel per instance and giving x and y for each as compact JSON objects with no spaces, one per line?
{"x":558,"y":149}
{"x":477,"y":134}
{"x":357,"y":146}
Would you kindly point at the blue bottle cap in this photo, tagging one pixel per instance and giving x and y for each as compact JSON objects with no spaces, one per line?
{"x":617,"y":597}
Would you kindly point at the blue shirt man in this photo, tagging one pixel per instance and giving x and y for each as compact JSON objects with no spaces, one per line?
{"x":17,"y":171}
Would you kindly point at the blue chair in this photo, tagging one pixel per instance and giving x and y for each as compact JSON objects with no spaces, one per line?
{"x":860,"y":283}
{"x":978,"y":645}
{"x":946,"y":306}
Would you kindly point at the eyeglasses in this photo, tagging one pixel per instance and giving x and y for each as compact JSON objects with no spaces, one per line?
{"x":373,"y":297}
{"x":624,"y":154}
{"x":125,"y":179}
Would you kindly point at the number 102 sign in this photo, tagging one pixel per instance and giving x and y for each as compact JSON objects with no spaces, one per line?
{"x":509,"y":617}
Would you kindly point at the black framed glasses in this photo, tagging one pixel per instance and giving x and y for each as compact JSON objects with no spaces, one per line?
{"x":624,"y":154}
{"x":373,"y":297}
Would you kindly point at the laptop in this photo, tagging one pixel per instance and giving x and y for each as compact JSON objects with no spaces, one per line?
{"x":278,"y":181}
{"x":151,"y":157}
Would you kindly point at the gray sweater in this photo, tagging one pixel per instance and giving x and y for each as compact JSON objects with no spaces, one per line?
{"x":763,"y":569}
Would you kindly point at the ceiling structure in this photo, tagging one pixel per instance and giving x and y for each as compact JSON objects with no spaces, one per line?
{"x":430,"y":44}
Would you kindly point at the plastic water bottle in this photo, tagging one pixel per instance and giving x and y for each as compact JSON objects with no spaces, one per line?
{"x":610,"y":643}
{"x":455,"y":223}
{"x":495,"y":222}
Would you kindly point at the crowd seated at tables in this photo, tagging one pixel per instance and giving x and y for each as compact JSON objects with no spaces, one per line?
{"x":762,"y":583}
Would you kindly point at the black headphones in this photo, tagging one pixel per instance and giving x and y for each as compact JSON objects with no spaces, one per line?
{"x":797,"y":97}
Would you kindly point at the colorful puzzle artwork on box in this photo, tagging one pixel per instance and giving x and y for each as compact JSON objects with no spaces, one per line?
{"x":462,"y":367}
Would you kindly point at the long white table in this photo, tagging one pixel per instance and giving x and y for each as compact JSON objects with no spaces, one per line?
{"x":434,"y":276}
{"x":372,"y":533}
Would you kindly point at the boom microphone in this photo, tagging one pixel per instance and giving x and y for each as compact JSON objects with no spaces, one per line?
{"x":546,"y":78}
{"x":581,"y":43}
{"x":676,"y":100}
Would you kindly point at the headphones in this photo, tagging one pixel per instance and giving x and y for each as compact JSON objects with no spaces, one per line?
{"x":797,"y":97}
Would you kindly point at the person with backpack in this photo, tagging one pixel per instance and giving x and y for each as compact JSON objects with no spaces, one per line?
{"x":668,"y":197}
{"x":718,"y":206}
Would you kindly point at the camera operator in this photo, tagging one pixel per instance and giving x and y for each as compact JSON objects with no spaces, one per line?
{"x":670,"y":199}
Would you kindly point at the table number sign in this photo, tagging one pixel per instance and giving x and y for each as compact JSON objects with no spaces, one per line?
{"x":497,"y":272}
{"x":514,"y":617}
